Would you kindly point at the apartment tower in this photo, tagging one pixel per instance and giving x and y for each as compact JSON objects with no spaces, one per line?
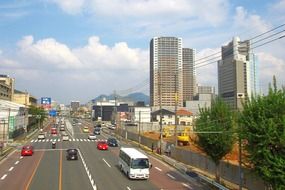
{"x":166,"y":73}
{"x":189,"y":75}
{"x":237,"y":76}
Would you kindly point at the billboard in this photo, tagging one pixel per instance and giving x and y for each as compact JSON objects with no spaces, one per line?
{"x":46,"y":102}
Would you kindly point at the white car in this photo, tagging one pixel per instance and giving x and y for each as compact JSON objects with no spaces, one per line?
{"x":92,"y":136}
{"x":41,"y":136}
{"x":65,"y":137}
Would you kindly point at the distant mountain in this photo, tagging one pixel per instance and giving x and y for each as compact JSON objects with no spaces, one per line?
{"x":136,"y":97}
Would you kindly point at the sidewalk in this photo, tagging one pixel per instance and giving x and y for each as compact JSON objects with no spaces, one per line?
{"x":19,"y":141}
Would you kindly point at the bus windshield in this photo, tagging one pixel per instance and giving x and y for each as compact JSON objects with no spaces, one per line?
{"x":140,"y":163}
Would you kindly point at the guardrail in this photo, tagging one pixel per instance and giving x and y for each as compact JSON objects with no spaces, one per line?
{"x":210,"y":181}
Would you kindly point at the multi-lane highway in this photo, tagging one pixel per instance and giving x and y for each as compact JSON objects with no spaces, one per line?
{"x":95,"y":169}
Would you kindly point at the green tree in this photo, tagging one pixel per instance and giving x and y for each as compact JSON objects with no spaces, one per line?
{"x":263,"y":129}
{"x":36,"y":111}
{"x":214,"y":129}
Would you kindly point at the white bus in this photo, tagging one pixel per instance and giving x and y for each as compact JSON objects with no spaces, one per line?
{"x":134,"y":164}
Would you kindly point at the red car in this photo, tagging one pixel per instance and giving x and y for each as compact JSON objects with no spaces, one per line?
{"x":27,"y":150}
{"x":102,"y":145}
{"x":53,"y":131}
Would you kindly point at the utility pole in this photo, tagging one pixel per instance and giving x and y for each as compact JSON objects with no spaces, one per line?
{"x":9,"y":114}
{"x":139,"y":128}
{"x":115,"y":107}
{"x":160,"y":117}
{"x":241,"y":97}
{"x":175,"y":109}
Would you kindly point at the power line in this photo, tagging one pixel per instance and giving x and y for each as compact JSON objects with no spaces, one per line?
{"x":200,"y":63}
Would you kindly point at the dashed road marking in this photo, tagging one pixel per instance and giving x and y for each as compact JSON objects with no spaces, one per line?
{"x":186,"y":185}
{"x":158,"y":169}
{"x":128,"y":188}
{"x":4,"y":176}
{"x":171,"y":176}
{"x":106,"y":163}
{"x":11,"y":169}
{"x":17,"y":162}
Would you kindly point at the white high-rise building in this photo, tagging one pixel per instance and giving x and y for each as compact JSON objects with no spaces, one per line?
{"x":166,"y":72}
{"x":237,"y":73}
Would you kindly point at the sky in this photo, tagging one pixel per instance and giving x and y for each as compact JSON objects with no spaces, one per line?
{"x":78,"y":49}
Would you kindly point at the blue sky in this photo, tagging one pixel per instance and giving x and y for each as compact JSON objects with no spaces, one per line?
{"x":79,"y":49}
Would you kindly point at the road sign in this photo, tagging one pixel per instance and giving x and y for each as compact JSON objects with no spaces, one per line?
{"x":46,"y":102}
{"x":52,"y":113}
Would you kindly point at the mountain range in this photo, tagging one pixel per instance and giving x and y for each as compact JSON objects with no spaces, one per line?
{"x":135,"y":97}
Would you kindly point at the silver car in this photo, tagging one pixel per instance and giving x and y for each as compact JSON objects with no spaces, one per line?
{"x":92,"y":136}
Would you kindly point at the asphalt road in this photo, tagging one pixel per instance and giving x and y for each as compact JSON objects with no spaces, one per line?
{"x":95,"y":169}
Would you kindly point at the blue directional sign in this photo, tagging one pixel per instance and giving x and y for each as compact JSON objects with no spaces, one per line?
{"x":52,"y":113}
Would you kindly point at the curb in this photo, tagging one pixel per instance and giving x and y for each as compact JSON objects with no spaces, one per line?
{"x":6,"y":152}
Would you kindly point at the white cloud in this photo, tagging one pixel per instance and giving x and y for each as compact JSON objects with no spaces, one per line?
{"x":70,"y":6}
{"x":206,"y":68}
{"x":210,"y":12}
{"x":250,"y":22}
{"x":269,"y":65}
{"x":47,"y":52}
{"x":279,"y":6}
{"x":98,"y":56}
{"x":54,"y":65}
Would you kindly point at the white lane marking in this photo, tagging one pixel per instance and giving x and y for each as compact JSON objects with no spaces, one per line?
{"x":93,"y":184}
{"x":158,"y":169}
{"x":36,"y":140}
{"x":21,"y":157}
{"x":58,"y":140}
{"x":106,"y":162}
{"x":4,"y":176}
{"x":170,"y":176}
{"x":17,"y":162}
{"x":32,"y":140}
{"x":128,"y":188}
{"x":186,"y":185}
{"x":85,"y":140}
{"x":11,"y":169}
{"x":77,"y":139}
{"x":81,"y":140}
{"x":47,"y":140}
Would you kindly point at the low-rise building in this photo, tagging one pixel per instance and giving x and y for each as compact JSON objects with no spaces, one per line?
{"x":6,"y":88}
{"x":13,"y":119}
{"x":139,"y":114}
{"x":24,"y":98}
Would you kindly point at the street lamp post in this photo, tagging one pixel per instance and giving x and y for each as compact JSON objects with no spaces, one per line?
{"x":241,"y":97}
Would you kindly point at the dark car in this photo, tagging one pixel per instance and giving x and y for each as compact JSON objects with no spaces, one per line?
{"x":97,"y":126}
{"x":72,"y":154}
{"x":96,"y":131}
{"x":112,"y":142}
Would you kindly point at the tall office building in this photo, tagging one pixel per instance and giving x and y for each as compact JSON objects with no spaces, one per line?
{"x":189,"y":78}
{"x":74,"y":105}
{"x":237,"y":76}
{"x":166,"y":74}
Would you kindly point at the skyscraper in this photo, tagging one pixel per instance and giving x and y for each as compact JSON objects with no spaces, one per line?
{"x":189,"y":78}
{"x":237,"y":76}
{"x":166,"y":74}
